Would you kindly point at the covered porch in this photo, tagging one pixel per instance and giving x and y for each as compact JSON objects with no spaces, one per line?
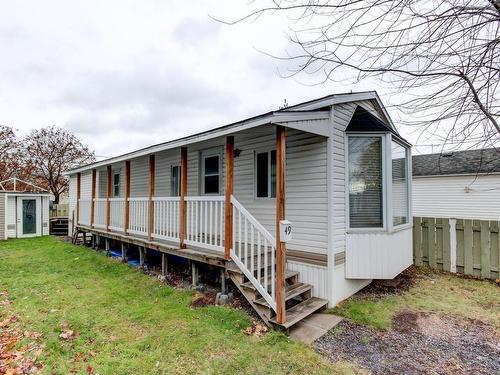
{"x":206,"y":212}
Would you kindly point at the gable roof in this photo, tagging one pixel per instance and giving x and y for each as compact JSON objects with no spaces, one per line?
{"x":313,"y":109}
{"x":482,"y":161}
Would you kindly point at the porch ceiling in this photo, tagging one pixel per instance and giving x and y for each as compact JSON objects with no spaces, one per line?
{"x":308,"y":121}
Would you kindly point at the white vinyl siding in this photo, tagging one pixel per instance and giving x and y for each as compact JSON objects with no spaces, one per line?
{"x":447,"y":196}
{"x":163,"y":165}
{"x":3,"y":213}
{"x":71,"y":202}
{"x":11,"y":216}
{"x":139,"y":177}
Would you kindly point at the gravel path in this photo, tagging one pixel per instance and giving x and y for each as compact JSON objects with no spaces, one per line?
{"x":418,"y":343}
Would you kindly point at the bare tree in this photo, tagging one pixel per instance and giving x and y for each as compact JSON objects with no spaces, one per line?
{"x":443,"y":55}
{"x":9,"y":162}
{"x":51,"y":151}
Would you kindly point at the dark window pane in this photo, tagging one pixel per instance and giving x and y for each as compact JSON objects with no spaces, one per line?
{"x":212,"y":165}
{"x":212,"y":184}
{"x":365,"y":182}
{"x":262,"y":175}
{"x":116,"y":185}
{"x":273,"y":174}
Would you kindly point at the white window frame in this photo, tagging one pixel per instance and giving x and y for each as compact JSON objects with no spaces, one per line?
{"x":206,"y":154}
{"x":262,"y":151}
{"x":391,"y":226}
{"x":385,"y":208}
{"x":172,"y":182}
{"x":114,"y":173}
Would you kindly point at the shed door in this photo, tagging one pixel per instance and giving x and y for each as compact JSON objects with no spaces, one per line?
{"x":28,"y":217}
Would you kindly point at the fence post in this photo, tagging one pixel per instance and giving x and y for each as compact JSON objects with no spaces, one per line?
{"x":485,"y":249}
{"x":417,"y":240}
{"x":453,"y":245}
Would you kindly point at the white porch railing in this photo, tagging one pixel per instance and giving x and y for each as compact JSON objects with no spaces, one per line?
{"x":166,"y":218}
{"x":138,"y":216}
{"x":84,"y":212}
{"x":205,"y":222}
{"x":100,"y":213}
{"x":254,"y":252}
{"x":116,"y":214}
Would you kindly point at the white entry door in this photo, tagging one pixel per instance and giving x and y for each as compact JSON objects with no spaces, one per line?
{"x":28,"y":217}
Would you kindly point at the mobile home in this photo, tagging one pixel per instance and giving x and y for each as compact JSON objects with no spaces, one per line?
{"x":302,"y":206}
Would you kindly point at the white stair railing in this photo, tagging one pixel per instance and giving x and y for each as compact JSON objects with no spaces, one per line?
{"x":138,"y":216}
{"x":254,"y":252}
{"x":100,"y":213}
{"x":205,"y":222}
{"x":117,"y":214}
{"x":166,"y":218}
{"x":84,"y":212}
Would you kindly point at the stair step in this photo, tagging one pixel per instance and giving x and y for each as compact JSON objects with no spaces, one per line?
{"x":301,"y":311}
{"x":291,"y":291}
{"x":288,"y":275}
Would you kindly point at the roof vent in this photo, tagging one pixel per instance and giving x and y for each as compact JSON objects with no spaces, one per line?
{"x":447,"y":154}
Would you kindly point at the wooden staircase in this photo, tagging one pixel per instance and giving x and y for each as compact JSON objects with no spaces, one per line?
{"x":299,"y":302}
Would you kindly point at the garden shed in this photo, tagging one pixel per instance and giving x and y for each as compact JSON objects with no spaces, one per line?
{"x":24,"y":209}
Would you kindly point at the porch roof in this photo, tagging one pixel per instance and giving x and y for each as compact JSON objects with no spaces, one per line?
{"x":288,"y":117}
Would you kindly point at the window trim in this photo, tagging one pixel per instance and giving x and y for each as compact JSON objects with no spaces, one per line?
{"x":269,"y":184}
{"x":408,"y":187}
{"x":385,"y":208}
{"x":116,"y":172}
{"x":172,"y":182}
{"x":206,"y":154}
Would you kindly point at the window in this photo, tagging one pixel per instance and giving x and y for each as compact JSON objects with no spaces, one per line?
{"x":116,"y":184}
{"x":265,"y":174}
{"x":211,"y":173}
{"x":365,"y":182}
{"x":399,"y":184}
{"x":175,"y":181}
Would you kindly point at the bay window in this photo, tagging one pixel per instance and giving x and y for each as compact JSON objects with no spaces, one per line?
{"x":378,"y":181}
{"x":365,"y":182}
{"x":399,"y":184}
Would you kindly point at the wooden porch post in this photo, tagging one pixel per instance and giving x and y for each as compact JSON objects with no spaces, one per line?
{"x":280,"y":215}
{"x":92,"y":203}
{"x":109,"y":171}
{"x":127,"y":196}
{"x":151,"y":222}
{"x":182,"y":202}
{"x":228,"y":209}
{"x":78,"y":194}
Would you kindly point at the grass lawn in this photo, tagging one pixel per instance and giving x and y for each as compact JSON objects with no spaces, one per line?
{"x":433,"y":291}
{"x":126,"y":322}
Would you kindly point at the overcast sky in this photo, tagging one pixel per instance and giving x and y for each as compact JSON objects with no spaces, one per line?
{"x":128,"y":74}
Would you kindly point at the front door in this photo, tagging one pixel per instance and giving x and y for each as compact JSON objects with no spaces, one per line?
{"x":27,"y":217}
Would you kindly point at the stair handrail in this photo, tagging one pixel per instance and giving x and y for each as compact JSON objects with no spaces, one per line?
{"x":270,"y":298}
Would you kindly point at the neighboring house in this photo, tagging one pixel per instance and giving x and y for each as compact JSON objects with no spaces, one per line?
{"x":24,"y":209}
{"x":461,"y":184}
{"x":335,"y":167}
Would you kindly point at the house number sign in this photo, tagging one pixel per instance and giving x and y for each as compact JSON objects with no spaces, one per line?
{"x":286,"y":230}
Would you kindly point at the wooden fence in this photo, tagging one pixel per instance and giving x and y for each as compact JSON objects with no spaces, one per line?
{"x":470,"y":247}
{"x":59,"y":210}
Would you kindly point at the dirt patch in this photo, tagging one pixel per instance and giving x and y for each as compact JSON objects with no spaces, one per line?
{"x":401,"y":283}
{"x":203,"y":299}
{"x":418,"y":343}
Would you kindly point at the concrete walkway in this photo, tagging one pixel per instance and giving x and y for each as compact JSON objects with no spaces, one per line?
{"x":313,"y":327}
